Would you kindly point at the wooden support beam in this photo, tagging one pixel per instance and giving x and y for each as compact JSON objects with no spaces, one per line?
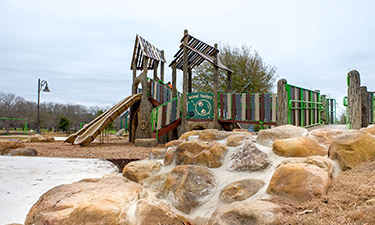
{"x":174,"y":80}
{"x":185,"y":83}
{"x":156,"y":64}
{"x":215,"y":91}
{"x":134,"y":86}
{"x":162,"y":67}
{"x":190,"y":75}
{"x":364,"y":106}
{"x":229,"y":80}
{"x":282,"y":103}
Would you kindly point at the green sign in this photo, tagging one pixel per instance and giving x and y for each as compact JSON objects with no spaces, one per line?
{"x":200,"y":105}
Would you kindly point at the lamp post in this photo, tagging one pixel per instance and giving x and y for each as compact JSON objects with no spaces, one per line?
{"x":41,"y":84}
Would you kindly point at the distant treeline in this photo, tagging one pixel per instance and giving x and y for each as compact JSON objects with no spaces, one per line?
{"x":12,"y":106}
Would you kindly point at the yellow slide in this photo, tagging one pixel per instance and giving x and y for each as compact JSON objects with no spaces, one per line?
{"x":87,"y":134}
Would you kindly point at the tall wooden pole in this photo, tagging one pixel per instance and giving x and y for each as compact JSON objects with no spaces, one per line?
{"x":364,"y":107}
{"x":282,"y":103}
{"x":354,"y":100}
{"x":215,"y":91}
{"x":162,"y":67}
{"x":174,"y":80}
{"x":134,"y":88}
{"x":190,"y":89}
{"x":156,"y":64}
{"x":185,"y":84}
{"x":229,"y":80}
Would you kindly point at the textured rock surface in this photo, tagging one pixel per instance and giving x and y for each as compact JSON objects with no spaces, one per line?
{"x":137,"y":171}
{"x":213,"y":135}
{"x":169,"y":156}
{"x":185,"y":136}
{"x":352,"y":148}
{"x":248,"y":158}
{"x":370,"y":129}
{"x":325,"y":136}
{"x":21,"y":152}
{"x":301,"y":178}
{"x":10,"y":144}
{"x":200,"y":153}
{"x":298,"y":147}
{"x":39,"y":138}
{"x":146,"y":142}
{"x":251,"y":212}
{"x":240,"y":190}
{"x":157,"y":153}
{"x":186,"y":187}
{"x":237,"y":138}
{"x":154,"y":183}
{"x":267,"y":137}
{"x":173,"y":143}
{"x":114,"y":200}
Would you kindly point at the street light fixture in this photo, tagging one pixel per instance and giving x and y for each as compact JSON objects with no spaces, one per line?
{"x":41,"y":84}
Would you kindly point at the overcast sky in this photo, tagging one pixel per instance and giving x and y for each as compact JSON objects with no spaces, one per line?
{"x":83,"y":48}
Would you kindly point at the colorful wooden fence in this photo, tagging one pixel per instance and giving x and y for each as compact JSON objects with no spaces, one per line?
{"x":253,"y":108}
{"x":159,"y":92}
{"x":303,"y":106}
{"x":166,"y":115}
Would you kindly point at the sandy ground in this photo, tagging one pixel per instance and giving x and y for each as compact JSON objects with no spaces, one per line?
{"x":115,"y":149}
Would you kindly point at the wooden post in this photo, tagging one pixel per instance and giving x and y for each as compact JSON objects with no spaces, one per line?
{"x":215,"y":91}
{"x":156,"y":64}
{"x":354,"y":100}
{"x":190,"y":81}
{"x":229,"y":80}
{"x":162,"y":67}
{"x":282,"y":103}
{"x":134,"y":87}
{"x":365,"y":106}
{"x":144,"y":123}
{"x":185,"y":84}
{"x":174,"y":80}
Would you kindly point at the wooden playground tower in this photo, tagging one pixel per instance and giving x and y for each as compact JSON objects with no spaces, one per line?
{"x":192,"y":53}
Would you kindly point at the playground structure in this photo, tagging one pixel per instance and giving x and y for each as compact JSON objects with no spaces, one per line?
{"x":157,"y":109}
{"x":360,"y":103}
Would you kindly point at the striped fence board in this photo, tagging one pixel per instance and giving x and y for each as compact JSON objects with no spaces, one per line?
{"x":248,"y":108}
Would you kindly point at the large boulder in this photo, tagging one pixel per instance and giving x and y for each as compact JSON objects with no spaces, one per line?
{"x":21,"y":152}
{"x":10,"y":144}
{"x":187,"y":186}
{"x":139,"y":170}
{"x":240,"y":190}
{"x":154,"y":183}
{"x":213,"y":135}
{"x":173,"y":143}
{"x":298,"y":147}
{"x":39,"y":138}
{"x":352,"y":148}
{"x":267,"y":137}
{"x":249,"y":212}
{"x":237,"y":138}
{"x":325,"y":136}
{"x":113,"y":200}
{"x":301,"y":178}
{"x":186,"y":135}
{"x":248,"y":158}
{"x":200,"y":153}
{"x":370,"y":129}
